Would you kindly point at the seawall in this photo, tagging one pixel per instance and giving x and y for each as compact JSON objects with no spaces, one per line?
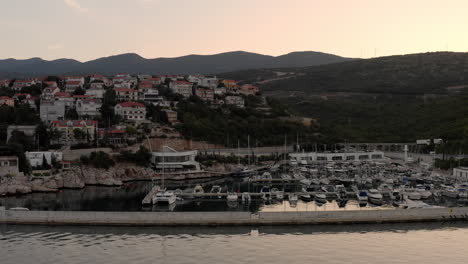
{"x":230,"y":218}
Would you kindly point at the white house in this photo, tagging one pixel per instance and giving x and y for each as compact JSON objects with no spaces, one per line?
{"x":181,"y":87}
{"x":88,"y":107}
{"x":36,"y":159}
{"x":209,"y":81}
{"x":461,"y":173}
{"x":133,"y":111}
{"x":237,"y":101}
{"x":125,"y":94}
{"x":171,"y":160}
{"x":97,"y":93}
{"x":18,"y":84}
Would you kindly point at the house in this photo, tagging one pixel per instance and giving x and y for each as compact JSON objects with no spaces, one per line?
{"x":206,"y":94}
{"x":49,"y":92}
{"x":28,"y":131}
{"x":248,"y":89}
{"x":112,"y":135}
{"x":9,"y":165}
{"x":25,"y":98}
{"x":4,"y":83}
{"x":181,"y":87}
{"x":145,"y":86}
{"x":144,"y":77}
{"x":170,"y":160}
{"x":171,"y":78}
{"x":97,"y":93}
{"x":18,"y":84}
{"x":69,"y":128}
{"x":460,"y":173}
{"x":123,"y":84}
{"x":231,"y":85}
{"x":51,"y":84}
{"x":71,"y":86}
{"x":96,"y":85}
{"x":125,"y":94}
{"x":150,"y":95}
{"x":132,"y":111}
{"x":51,"y":110}
{"x":66,"y":99}
{"x":78,"y":79}
{"x":36,"y":159}
{"x":220,"y":90}
{"x":98,"y":78}
{"x":236,"y":101}
{"x":209,"y":81}
{"x":171,"y":116}
{"x":155,"y":81}
{"x":88,"y":107}
{"x":5,"y":100}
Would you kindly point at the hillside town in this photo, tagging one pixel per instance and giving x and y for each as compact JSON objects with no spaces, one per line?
{"x":52,"y":114}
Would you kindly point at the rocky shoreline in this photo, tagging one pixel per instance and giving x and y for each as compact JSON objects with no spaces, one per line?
{"x":80,"y":176}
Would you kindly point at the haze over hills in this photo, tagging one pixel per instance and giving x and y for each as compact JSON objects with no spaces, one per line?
{"x":133,"y":63}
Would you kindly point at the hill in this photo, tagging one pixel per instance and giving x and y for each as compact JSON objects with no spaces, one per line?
{"x":133,"y":63}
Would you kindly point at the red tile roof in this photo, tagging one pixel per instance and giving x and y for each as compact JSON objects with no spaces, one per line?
{"x":73,"y":82}
{"x":62,"y":94}
{"x":5,"y":98}
{"x":123,"y":90}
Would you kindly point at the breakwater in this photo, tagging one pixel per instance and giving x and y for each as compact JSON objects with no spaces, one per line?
{"x":231,"y":218}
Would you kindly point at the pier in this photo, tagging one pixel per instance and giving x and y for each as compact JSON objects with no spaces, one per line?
{"x":231,"y":218}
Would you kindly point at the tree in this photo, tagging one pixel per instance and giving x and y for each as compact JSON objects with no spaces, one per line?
{"x":71,"y":114}
{"x":79,"y":134}
{"x":79,"y":91}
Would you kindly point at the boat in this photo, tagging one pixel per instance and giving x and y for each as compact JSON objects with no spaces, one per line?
{"x":462,"y":193}
{"x":293,"y":199}
{"x":386,"y":190}
{"x":450,"y":192}
{"x":165,"y":197}
{"x":362,"y":197}
{"x":320,"y":197}
{"x":305,"y":196}
{"x":216,"y":189}
{"x":246,"y":197}
{"x":375,"y":196}
{"x":413,"y":194}
{"x":266,"y":192}
{"x":231,"y":197}
{"x":425,"y":194}
{"x":198,"y":189}
{"x":277,"y":194}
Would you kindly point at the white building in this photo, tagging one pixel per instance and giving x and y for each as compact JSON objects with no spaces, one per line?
{"x":131,"y":111}
{"x":209,"y":81}
{"x":124,"y":94}
{"x":88,"y":107}
{"x":181,"y":87}
{"x":237,"y":101}
{"x":311,"y":157}
{"x":97,"y":93}
{"x":170,"y":160}
{"x":36,"y":159}
{"x":461,"y":173}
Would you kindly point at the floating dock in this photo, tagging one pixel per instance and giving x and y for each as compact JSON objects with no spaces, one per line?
{"x":231,"y":218}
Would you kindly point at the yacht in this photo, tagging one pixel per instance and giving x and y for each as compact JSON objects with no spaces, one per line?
{"x":450,"y":192}
{"x":413,"y":194}
{"x":462,"y":193}
{"x":375,"y":196}
{"x":386,"y":190}
{"x":164,"y":197}
{"x":425,"y":194}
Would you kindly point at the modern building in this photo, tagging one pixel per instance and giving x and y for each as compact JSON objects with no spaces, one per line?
{"x":206,"y":94}
{"x":51,"y":110}
{"x":312,"y":157}
{"x":170,"y":160}
{"x":125,"y":94}
{"x":97,"y":93}
{"x":36,"y":159}
{"x":132,"y":111}
{"x":461,"y":173}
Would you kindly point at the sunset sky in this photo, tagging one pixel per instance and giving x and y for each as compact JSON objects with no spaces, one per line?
{"x":88,"y":29}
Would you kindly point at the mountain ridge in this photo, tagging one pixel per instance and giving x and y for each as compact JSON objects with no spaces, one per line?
{"x":189,"y":64}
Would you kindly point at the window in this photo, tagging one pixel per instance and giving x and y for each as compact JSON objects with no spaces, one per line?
{"x":349,"y":157}
{"x":363,"y":157}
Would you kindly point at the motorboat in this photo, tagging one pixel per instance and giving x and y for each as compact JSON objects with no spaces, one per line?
{"x":164,"y":197}
{"x":293,"y":199}
{"x":277,"y":194}
{"x":246,"y":197}
{"x":320,"y":197}
{"x":266,"y":193}
{"x":450,"y":192}
{"x":413,"y":194}
{"x":425,"y":194}
{"x":305,"y":196}
{"x":362,"y":197}
{"x":232,"y":197}
{"x":375,"y":196}
{"x":386,"y":190}
{"x":216,"y":189}
{"x":462,"y":193}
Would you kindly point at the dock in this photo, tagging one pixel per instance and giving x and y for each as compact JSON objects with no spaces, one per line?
{"x":234,"y":218}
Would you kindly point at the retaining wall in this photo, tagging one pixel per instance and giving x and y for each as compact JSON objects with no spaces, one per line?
{"x":230,"y":218}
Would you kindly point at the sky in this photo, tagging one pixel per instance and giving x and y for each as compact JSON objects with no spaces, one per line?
{"x":89,"y":29}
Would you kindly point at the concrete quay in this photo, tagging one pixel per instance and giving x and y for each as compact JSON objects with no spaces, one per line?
{"x":231,"y":218}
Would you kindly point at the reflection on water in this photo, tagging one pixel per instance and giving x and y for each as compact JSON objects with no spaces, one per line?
{"x":390,"y":243}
